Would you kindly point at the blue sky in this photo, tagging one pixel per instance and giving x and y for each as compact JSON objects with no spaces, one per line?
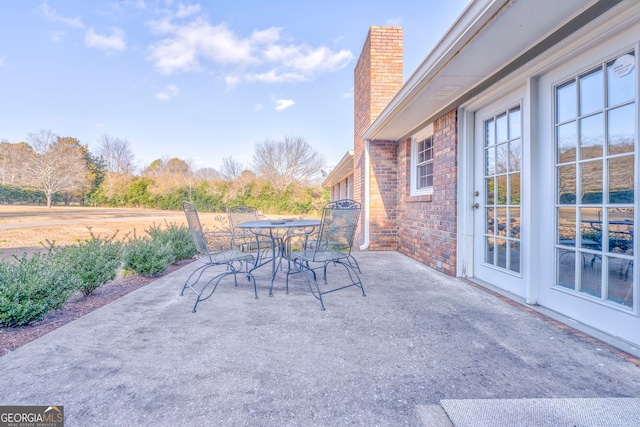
{"x":198,"y":81}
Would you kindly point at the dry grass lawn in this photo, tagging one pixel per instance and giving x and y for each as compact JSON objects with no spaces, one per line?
{"x":25,"y":229}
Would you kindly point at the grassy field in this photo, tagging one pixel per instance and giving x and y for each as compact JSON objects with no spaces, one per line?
{"x":24,"y":229}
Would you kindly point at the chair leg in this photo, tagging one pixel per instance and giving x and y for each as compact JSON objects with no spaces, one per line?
{"x":200,"y":270}
{"x":312,"y":280}
{"x":230,"y":270}
{"x":354,"y":263}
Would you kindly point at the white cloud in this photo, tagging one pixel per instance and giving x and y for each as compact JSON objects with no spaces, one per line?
{"x":187,"y":44}
{"x":53,"y":15}
{"x":394,"y":21}
{"x":264,"y":56}
{"x":114,"y":41}
{"x":140,"y":4}
{"x":271,"y":76}
{"x":348,"y":94}
{"x":184,"y":11}
{"x":57,"y":36}
{"x":283,"y":104}
{"x":169,"y":92}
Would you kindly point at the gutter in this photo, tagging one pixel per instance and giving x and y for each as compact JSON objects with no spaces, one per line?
{"x":365,"y":219}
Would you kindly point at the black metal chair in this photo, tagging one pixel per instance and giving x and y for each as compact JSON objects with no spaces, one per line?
{"x":331,"y":246}
{"x":244,"y":240}
{"x":214,"y":249}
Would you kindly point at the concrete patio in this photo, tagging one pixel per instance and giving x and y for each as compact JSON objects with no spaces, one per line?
{"x":420,"y":349}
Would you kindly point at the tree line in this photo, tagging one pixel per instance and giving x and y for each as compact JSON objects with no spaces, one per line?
{"x":54,"y":170}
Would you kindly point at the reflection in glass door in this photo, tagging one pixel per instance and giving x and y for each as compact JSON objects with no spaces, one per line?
{"x":502,"y":175}
{"x":595,"y":124}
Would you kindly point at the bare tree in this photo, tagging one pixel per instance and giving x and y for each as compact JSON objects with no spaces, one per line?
{"x":169,"y":175}
{"x":12,"y":160}
{"x":291,"y":160}
{"x":231,"y":169}
{"x":116,"y":154}
{"x":207,"y":174}
{"x":54,"y":165}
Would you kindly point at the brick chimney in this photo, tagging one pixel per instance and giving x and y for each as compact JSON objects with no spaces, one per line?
{"x":377,"y":79}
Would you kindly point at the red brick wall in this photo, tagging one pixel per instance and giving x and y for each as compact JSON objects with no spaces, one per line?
{"x":377,"y":78}
{"x":383,"y":200}
{"x":427,"y":224}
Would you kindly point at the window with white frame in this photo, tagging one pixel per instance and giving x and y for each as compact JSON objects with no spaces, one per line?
{"x":422,"y":163}
{"x":595,"y":132}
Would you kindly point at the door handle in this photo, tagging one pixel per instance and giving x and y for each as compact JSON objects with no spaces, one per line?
{"x":475,"y":205}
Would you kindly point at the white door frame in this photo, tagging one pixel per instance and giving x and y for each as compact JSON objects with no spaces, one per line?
{"x":505,"y":95}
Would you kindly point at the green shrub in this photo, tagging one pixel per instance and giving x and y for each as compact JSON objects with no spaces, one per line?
{"x":34,"y":286}
{"x":147,"y":257}
{"x":96,"y":261}
{"x":178,"y":236}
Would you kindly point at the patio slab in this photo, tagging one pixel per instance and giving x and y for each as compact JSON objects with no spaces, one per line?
{"x":388,"y":359}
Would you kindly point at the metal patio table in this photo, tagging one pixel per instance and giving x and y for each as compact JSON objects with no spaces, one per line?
{"x":276,"y":231}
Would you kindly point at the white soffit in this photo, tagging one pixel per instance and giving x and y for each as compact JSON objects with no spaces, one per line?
{"x":342,"y":170}
{"x":488,"y":35}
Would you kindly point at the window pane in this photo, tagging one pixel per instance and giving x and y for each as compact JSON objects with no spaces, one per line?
{"x":514,"y":223}
{"x":591,"y":228}
{"x":621,"y":76}
{"x":592,"y":182}
{"x":567,"y":226}
{"x":591,"y":275}
{"x":591,"y":93}
{"x":489,"y":133}
{"x":621,"y":133}
{"x":490,"y":190}
{"x":621,"y":177}
{"x":501,"y":128}
{"x":567,"y":141}
{"x":490,"y":161}
{"x":515,"y":155}
{"x":514,"y":123}
{"x":566,"y":261}
{"x":515,"y":256}
{"x":429,"y":174}
{"x":501,"y":248}
{"x":514,"y":189}
{"x":592,"y":137}
{"x":501,"y":221}
{"x":566,"y":102}
{"x":502,"y":158}
{"x":489,"y":250}
{"x":567,"y":185}
{"x":501,"y":196}
{"x":620,"y":281}
{"x":429,"y":148}
{"x":620,"y":227}
{"x":422,"y":176}
{"x":490,"y":229}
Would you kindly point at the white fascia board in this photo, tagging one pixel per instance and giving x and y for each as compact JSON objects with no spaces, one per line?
{"x":342,"y":170}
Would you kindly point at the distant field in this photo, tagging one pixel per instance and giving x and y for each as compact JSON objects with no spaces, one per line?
{"x":23,"y":229}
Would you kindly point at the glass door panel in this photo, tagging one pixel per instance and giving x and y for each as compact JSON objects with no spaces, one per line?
{"x":503,"y":160}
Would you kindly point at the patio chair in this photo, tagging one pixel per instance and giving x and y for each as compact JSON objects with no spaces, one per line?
{"x":214,"y":249}
{"x":331,"y":246}
{"x":242,"y":239}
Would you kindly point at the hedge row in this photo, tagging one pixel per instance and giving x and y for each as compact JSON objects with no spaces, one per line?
{"x":31,"y":287}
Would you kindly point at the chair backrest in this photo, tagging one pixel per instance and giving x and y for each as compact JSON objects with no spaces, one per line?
{"x":195,"y":228}
{"x":239,"y":214}
{"x":338,"y":226}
